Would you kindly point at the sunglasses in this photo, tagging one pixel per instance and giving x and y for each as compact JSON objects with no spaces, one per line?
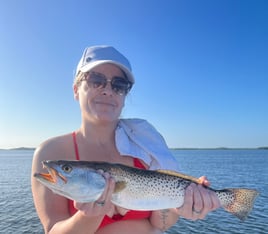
{"x":120,"y":85}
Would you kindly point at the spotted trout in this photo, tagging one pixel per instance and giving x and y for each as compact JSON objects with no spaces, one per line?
{"x":135,"y":189}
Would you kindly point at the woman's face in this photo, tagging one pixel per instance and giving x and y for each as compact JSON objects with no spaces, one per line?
{"x":102,"y":104}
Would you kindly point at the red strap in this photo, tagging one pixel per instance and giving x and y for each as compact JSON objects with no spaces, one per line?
{"x":138,"y":164}
{"x":75,"y":146}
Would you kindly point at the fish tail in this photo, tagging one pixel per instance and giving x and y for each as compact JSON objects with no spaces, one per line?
{"x":238,"y":201}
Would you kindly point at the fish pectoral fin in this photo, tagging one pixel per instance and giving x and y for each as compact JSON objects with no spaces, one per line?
{"x":182,"y":176}
{"x":119,"y":186}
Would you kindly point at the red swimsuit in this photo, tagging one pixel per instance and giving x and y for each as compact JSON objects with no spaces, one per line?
{"x":131,"y":214}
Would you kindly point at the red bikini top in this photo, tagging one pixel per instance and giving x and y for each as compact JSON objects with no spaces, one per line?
{"x":131,"y":214}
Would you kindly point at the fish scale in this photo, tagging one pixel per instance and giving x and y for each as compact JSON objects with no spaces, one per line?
{"x":135,"y":189}
{"x":141,"y":186}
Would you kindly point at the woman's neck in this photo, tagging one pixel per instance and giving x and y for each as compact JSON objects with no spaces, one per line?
{"x":99,"y":134}
{"x":97,"y":142}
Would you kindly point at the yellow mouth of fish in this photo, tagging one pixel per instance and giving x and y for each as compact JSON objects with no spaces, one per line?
{"x":52,"y":176}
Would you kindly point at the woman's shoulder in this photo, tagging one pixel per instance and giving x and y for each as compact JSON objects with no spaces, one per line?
{"x":59,"y":147}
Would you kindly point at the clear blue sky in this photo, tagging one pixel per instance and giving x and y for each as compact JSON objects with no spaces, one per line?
{"x":201,"y":67}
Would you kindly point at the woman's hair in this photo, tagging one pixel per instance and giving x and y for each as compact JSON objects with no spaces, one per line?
{"x":79,"y":77}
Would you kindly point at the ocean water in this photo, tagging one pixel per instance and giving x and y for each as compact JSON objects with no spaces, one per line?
{"x":224,"y":168}
{"x":17,"y":213}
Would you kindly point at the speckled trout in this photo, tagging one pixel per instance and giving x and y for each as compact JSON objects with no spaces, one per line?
{"x":135,"y":189}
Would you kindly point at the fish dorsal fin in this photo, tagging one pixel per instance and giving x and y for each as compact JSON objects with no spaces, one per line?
{"x":183,"y":176}
{"x":119,"y":186}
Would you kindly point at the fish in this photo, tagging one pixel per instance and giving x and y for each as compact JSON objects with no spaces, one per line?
{"x":135,"y":189}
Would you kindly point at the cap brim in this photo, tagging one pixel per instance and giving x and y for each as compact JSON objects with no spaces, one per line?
{"x":93,"y":64}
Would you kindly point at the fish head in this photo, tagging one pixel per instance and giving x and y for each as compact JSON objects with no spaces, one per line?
{"x":72,"y":180}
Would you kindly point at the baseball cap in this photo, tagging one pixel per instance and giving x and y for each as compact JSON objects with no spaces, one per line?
{"x":96,"y":55}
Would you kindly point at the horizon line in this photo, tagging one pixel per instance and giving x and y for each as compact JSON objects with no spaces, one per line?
{"x":171,"y":148}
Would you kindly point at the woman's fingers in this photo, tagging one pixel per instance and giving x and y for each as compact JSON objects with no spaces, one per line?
{"x":107,"y":193}
{"x":199,"y":200}
{"x":103,"y":205}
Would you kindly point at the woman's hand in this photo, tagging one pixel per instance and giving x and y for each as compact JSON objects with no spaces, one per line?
{"x":198,"y":201}
{"x":103,"y":205}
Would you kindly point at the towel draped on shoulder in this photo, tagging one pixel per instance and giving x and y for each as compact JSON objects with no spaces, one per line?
{"x":139,"y":139}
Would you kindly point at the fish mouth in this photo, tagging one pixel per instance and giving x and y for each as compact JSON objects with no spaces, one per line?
{"x":52,"y":176}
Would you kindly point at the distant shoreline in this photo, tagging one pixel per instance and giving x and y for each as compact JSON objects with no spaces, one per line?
{"x":20,"y":148}
{"x":221,"y":148}
{"x":218,"y":148}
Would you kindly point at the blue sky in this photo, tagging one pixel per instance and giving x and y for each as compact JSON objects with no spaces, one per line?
{"x":201,"y":67}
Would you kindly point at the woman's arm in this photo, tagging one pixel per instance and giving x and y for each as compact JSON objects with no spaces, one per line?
{"x":52,"y":209}
{"x":164,"y":219}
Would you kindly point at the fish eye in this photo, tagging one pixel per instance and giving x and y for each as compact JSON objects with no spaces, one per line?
{"x":67,"y":168}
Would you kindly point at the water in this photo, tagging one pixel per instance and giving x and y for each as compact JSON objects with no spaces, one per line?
{"x":17,"y":213}
{"x":228,"y":168}
{"x":224,"y":168}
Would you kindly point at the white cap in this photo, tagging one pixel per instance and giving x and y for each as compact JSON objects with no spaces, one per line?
{"x":96,"y":55}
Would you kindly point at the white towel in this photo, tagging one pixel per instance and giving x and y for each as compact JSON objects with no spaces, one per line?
{"x":138,"y":138}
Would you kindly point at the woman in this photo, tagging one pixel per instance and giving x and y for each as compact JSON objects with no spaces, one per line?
{"x":103,"y":79}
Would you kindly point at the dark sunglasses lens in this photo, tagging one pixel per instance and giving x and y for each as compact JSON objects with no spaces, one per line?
{"x":97,"y":80}
{"x":120,"y":85}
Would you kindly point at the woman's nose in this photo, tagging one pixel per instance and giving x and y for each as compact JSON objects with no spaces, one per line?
{"x":107,"y":90}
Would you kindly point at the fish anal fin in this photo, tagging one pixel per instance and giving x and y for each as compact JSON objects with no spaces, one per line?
{"x":183,"y":176}
{"x":119,"y":186}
